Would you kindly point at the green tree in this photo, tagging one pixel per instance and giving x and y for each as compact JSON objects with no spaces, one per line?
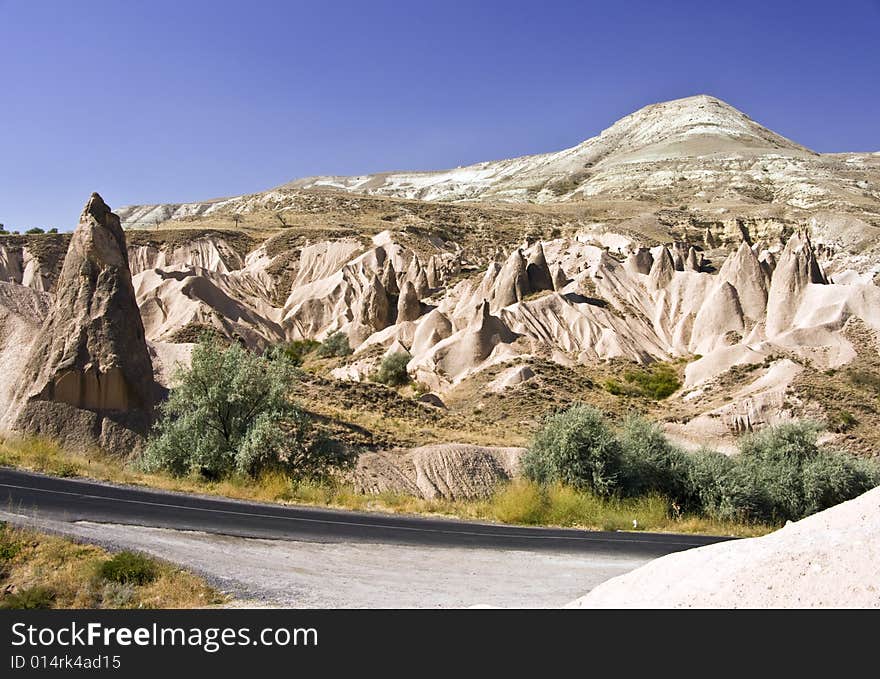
{"x":231,"y":413}
{"x":578,"y":448}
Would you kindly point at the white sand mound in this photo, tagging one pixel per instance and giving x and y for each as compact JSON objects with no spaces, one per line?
{"x":828,"y":560}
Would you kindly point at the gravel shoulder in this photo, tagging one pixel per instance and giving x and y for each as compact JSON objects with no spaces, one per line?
{"x":300,"y":574}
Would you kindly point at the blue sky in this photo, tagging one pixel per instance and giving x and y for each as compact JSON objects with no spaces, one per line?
{"x":169,"y":101}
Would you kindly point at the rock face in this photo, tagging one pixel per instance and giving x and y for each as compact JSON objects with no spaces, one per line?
{"x":88,"y":379}
{"x":453,"y":471}
{"x":796,"y":269}
{"x":828,"y":560}
{"x":409,"y":307}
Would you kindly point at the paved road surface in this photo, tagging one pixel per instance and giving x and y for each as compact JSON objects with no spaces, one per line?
{"x":304,"y":556}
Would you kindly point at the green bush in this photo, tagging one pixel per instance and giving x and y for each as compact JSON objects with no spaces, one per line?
{"x":231,"y":413}
{"x":657,"y":383}
{"x":34,"y":231}
{"x":28,"y":598}
{"x":392,"y":370}
{"x":576,"y":447}
{"x":129,"y":568}
{"x":652,"y":463}
{"x":296,"y":351}
{"x":781,"y":473}
{"x":54,"y":229}
{"x":336,"y":345}
{"x":10,"y":546}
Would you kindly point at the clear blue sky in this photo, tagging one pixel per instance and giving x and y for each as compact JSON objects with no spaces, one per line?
{"x":160,"y":101}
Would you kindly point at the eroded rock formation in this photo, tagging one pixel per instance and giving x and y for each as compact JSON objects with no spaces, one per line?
{"x":88,"y":378}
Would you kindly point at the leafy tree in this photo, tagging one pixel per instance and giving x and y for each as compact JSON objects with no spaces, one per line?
{"x":231,"y":413}
{"x":34,"y":231}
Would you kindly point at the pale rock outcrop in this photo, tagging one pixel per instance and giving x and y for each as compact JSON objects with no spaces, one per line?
{"x":375,"y":306}
{"x":422,"y":287}
{"x":719,"y":315}
{"x":409,"y":308}
{"x":431,"y":273}
{"x":692,"y":262}
{"x":512,"y":283}
{"x":744,"y":272}
{"x":433,"y":328}
{"x":88,"y":379}
{"x":828,"y":560}
{"x":795,"y":270}
{"x":662,"y":270}
{"x":389,"y":278}
{"x":453,"y":471}
{"x":640,"y":261}
{"x":475,"y":343}
{"x":510,"y":378}
{"x":560,"y":280}
{"x":537,"y":270}
{"x":22,"y":312}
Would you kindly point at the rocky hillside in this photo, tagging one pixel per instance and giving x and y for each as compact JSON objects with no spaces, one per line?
{"x":757,"y":333}
{"x":685,"y":236}
{"x":690,"y":163}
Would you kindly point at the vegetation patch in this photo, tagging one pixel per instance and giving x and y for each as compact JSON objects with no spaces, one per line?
{"x":336,"y":345}
{"x":47,"y":571}
{"x":231,"y":413}
{"x":656,"y":382}
{"x":780,"y":473}
{"x":392,"y":370}
{"x":129,"y":568}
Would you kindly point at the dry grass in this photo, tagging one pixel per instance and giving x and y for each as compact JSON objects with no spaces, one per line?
{"x":46,"y":571}
{"x":520,"y":502}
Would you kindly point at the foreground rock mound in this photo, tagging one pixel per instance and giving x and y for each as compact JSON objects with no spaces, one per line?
{"x":452,"y":471}
{"x":828,"y":560}
{"x":88,"y":380}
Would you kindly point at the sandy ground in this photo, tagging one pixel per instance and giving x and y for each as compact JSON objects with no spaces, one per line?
{"x":344,"y":575}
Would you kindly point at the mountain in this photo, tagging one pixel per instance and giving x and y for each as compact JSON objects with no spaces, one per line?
{"x":698,"y":154}
{"x":695,"y":127}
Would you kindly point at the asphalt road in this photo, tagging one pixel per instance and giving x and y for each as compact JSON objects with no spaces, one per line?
{"x":71,"y":500}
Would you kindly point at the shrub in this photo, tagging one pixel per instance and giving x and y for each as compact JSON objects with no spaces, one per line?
{"x":54,"y":229}
{"x":519,"y":502}
{"x":336,"y":345}
{"x":28,"y":598}
{"x":10,"y":545}
{"x":652,"y":463}
{"x":129,"y":568}
{"x":657,"y":382}
{"x":34,"y":231}
{"x":575,"y":447}
{"x":782,"y":474}
{"x":392,"y":370}
{"x":230,"y":413}
{"x":296,"y":351}
{"x":841,"y":421}
{"x":117,"y":595}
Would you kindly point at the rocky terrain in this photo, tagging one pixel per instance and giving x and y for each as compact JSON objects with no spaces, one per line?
{"x":685,"y":236}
